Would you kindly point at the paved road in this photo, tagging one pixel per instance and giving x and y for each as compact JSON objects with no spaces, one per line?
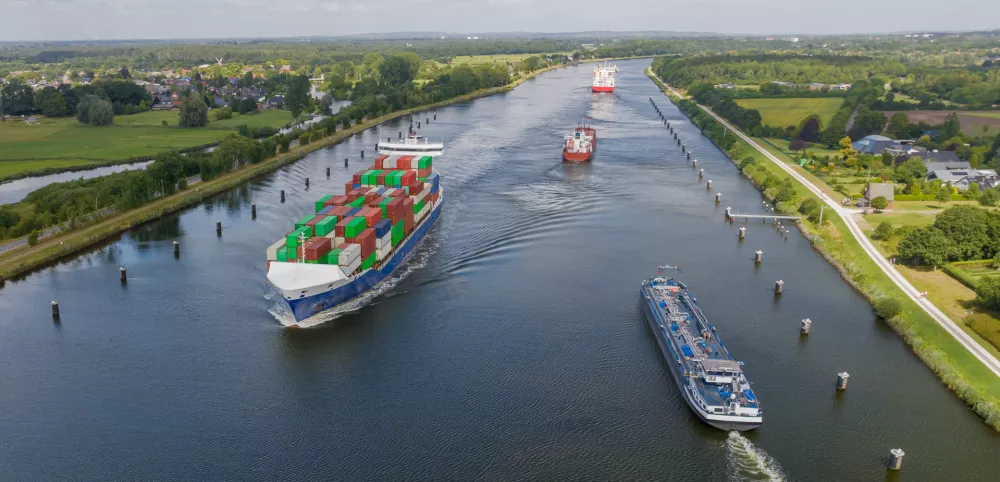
{"x":950,"y":326}
{"x":57,"y":229}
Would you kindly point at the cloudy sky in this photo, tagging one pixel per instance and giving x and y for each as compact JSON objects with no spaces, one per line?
{"x":123,"y":19}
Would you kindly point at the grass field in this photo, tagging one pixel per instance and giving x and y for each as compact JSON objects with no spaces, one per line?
{"x":787,"y":112}
{"x":65,"y":143}
{"x":974,"y":123}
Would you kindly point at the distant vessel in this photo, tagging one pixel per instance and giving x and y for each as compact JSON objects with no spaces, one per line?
{"x":354,"y":241}
{"x":711,"y":381}
{"x":579,"y":146}
{"x":604,"y":78}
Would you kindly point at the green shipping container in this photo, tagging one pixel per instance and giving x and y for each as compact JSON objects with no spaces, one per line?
{"x":369,"y":261}
{"x":354,"y":227}
{"x":303,"y":221}
{"x":398,"y":231}
{"x":322,"y":200}
{"x":283,"y":254}
{"x":357,"y":202}
{"x":384,"y":205}
{"x":367,"y":179}
{"x":424,"y":162}
{"x":312,"y":261}
{"x":417,"y":206}
{"x":397,"y":178}
{"x":326,"y":225}
{"x":374,"y":177}
{"x":292,"y":240}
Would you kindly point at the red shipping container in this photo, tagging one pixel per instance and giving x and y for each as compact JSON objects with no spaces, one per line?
{"x":403,"y":162}
{"x":341,"y":211}
{"x":380,"y":180}
{"x":371,"y":196}
{"x":374,"y":203}
{"x":395,"y":209}
{"x":357,"y":176}
{"x":313,"y":221}
{"x":339,"y":227}
{"x":373,"y":215}
{"x":416,"y":187}
{"x":335,"y":201}
{"x":424,"y":172}
{"x":379,"y":160}
{"x":348,"y":187}
{"x":367,"y":241}
{"x":408,"y":178}
{"x":408,"y":224}
{"x":316,"y":247}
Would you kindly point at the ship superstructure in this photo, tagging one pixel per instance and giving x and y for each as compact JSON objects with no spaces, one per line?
{"x":604,"y":77}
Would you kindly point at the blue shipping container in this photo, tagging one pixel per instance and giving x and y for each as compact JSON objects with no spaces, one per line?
{"x":352,"y":212}
{"x":382,"y":228}
{"x":326,"y":210}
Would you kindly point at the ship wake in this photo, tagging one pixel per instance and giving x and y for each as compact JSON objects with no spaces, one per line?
{"x":748,"y":462}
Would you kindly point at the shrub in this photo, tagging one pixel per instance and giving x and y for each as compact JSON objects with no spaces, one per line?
{"x":163,"y":123}
{"x":988,"y":292}
{"x":182,"y":184}
{"x":33,"y":238}
{"x":884,"y":231}
{"x":880,"y":203}
{"x":887,"y":307}
{"x":223,"y":113}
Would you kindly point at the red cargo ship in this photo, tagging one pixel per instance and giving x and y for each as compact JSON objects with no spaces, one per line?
{"x":604,"y":78}
{"x":580,"y":146}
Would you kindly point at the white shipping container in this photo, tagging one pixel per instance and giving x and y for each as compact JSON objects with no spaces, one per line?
{"x":383,"y":253}
{"x":389,"y":192}
{"x":420,"y":196}
{"x":349,"y":254}
{"x":384,"y":241}
{"x":351,"y":267}
{"x":415,"y":162}
{"x":272,"y":250}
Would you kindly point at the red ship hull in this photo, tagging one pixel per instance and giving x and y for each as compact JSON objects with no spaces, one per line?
{"x":596,"y":88}
{"x":582,"y":156}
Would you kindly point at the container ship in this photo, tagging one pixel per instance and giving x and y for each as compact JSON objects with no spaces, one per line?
{"x":711,"y":381}
{"x":579,"y":146}
{"x":355,"y":240}
{"x":604,"y":78}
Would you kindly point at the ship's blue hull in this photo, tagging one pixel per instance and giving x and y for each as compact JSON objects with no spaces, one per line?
{"x":306,"y":307}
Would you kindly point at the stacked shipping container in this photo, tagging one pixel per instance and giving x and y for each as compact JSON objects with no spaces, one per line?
{"x":359,"y":229}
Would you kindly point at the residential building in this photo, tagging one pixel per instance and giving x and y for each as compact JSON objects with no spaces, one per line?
{"x":840,"y":87}
{"x":725,"y":86}
{"x":961,"y":179}
{"x":876,"y":145}
{"x":876,"y":189}
{"x":817,"y":86}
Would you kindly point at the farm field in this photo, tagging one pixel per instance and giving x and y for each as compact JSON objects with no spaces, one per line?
{"x":974,"y":123}
{"x":64,"y":143}
{"x":786,"y":112}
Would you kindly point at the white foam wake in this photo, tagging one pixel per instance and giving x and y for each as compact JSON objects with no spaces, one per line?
{"x":747,"y":462}
{"x":418,"y":259}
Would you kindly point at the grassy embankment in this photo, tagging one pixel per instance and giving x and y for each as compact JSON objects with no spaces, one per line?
{"x":958,"y":369}
{"x":59,"y":144}
{"x":23,"y":259}
{"x":789,"y":112}
{"x":946,"y":292}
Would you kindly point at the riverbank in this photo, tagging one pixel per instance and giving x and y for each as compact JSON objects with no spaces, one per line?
{"x":22,"y":260}
{"x":957,"y":367}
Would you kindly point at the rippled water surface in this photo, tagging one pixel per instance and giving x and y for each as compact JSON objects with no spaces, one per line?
{"x":512,"y":348}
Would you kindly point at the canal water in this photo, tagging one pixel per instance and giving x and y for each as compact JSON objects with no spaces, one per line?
{"x":513,"y":347}
{"x":14,"y":191}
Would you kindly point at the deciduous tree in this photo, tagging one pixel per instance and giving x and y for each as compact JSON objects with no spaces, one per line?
{"x":51,"y":102}
{"x":194,"y":112}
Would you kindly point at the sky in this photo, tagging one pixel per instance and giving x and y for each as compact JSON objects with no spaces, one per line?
{"x":174,"y":19}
